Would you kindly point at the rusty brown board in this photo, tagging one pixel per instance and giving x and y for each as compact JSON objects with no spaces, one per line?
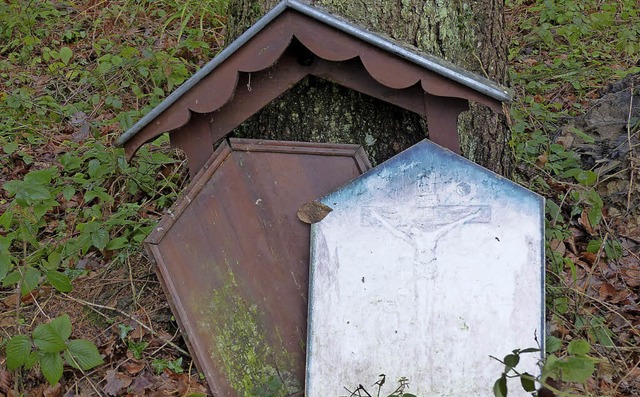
{"x":233,"y":258}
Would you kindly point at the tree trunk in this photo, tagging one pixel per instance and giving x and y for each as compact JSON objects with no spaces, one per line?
{"x":468,"y":33}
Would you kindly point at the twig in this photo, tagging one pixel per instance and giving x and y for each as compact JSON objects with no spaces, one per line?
{"x":631,"y":159}
{"x":143,"y":325}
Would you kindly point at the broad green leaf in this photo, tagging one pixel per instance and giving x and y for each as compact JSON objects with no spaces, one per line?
{"x":100,"y":238}
{"x":5,"y":264}
{"x":33,"y":359}
{"x":5,"y":242}
{"x":500,"y":387}
{"x":579,"y":347}
{"x":62,"y":326}
{"x":18,"y":349}
{"x":68,"y":192}
{"x":51,"y":365}
{"x":552,"y":344}
{"x":527,"y":382}
{"x":6,"y":218}
{"x":602,"y":333}
{"x":577,"y":369}
{"x":587,"y":178}
{"x":59,"y":281}
{"x":30,"y":280}
{"x":595,"y":215}
{"x":594,"y":245}
{"x":47,"y":339}
{"x":11,"y":279}
{"x":82,"y":354}
{"x":27,"y":193}
{"x":10,"y":147}
{"x":117,"y":243}
{"x":41,"y":177}
{"x":93,"y":167}
{"x":65,"y":55}
{"x":551,"y":367}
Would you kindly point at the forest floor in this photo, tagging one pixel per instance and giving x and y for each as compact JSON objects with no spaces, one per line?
{"x":73,"y":214}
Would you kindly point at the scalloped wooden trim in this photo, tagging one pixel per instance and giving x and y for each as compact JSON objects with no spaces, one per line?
{"x":262,"y":54}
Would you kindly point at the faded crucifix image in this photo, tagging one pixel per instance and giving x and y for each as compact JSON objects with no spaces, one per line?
{"x":439,"y":208}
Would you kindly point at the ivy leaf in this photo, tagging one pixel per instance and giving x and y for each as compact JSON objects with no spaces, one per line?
{"x":47,"y":339}
{"x":500,"y":387}
{"x":82,"y":354}
{"x":527,"y":382}
{"x":51,"y":365}
{"x":62,"y":326}
{"x":59,"y":281}
{"x":18,"y":349}
{"x":511,"y":360}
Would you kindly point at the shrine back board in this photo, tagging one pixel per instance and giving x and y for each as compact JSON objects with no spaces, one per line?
{"x":233,"y":259}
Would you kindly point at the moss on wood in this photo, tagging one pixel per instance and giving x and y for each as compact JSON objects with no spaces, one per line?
{"x":250,"y":362}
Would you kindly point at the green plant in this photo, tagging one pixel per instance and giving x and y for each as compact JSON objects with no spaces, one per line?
{"x":137,"y":348}
{"x":160,"y":364}
{"x":50,"y":347}
{"x":575,"y":366}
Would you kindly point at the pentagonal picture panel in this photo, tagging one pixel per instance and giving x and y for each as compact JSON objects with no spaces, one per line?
{"x":233,"y":258}
{"x":427,"y":265}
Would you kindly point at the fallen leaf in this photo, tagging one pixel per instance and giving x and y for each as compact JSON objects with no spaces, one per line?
{"x":53,"y":391}
{"x":313,"y":212}
{"x":116,"y":382}
{"x":631,"y":277}
{"x":5,"y":381}
{"x":133,"y":366}
{"x":143,"y":382}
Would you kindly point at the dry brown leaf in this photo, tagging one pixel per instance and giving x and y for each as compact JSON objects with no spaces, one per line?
{"x":137,"y":333}
{"x":133,"y":366}
{"x":631,"y":277}
{"x":143,"y":382}
{"x":606,"y":290}
{"x":116,"y":382}
{"x":53,"y":391}
{"x":313,"y":212}
{"x":5,"y":381}
{"x":10,"y":301}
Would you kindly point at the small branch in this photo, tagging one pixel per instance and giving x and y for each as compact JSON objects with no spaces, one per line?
{"x":631,"y":158}
{"x":143,"y":325}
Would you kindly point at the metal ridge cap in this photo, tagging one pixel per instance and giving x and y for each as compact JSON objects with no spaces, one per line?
{"x":430,"y":62}
{"x":200,"y":74}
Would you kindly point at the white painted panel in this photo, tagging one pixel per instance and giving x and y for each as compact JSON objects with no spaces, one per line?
{"x":427,"y":265}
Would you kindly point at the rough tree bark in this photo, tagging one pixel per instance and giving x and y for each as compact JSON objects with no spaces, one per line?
{"x":468,"y":33}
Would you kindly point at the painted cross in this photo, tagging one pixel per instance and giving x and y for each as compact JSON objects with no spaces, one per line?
{"x":427,"y":265}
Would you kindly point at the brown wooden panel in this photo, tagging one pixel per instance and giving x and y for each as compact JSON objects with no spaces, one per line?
{"x":233,"y":257}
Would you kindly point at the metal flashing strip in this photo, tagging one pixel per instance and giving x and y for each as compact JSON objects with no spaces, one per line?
{"x":434,"y":64}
